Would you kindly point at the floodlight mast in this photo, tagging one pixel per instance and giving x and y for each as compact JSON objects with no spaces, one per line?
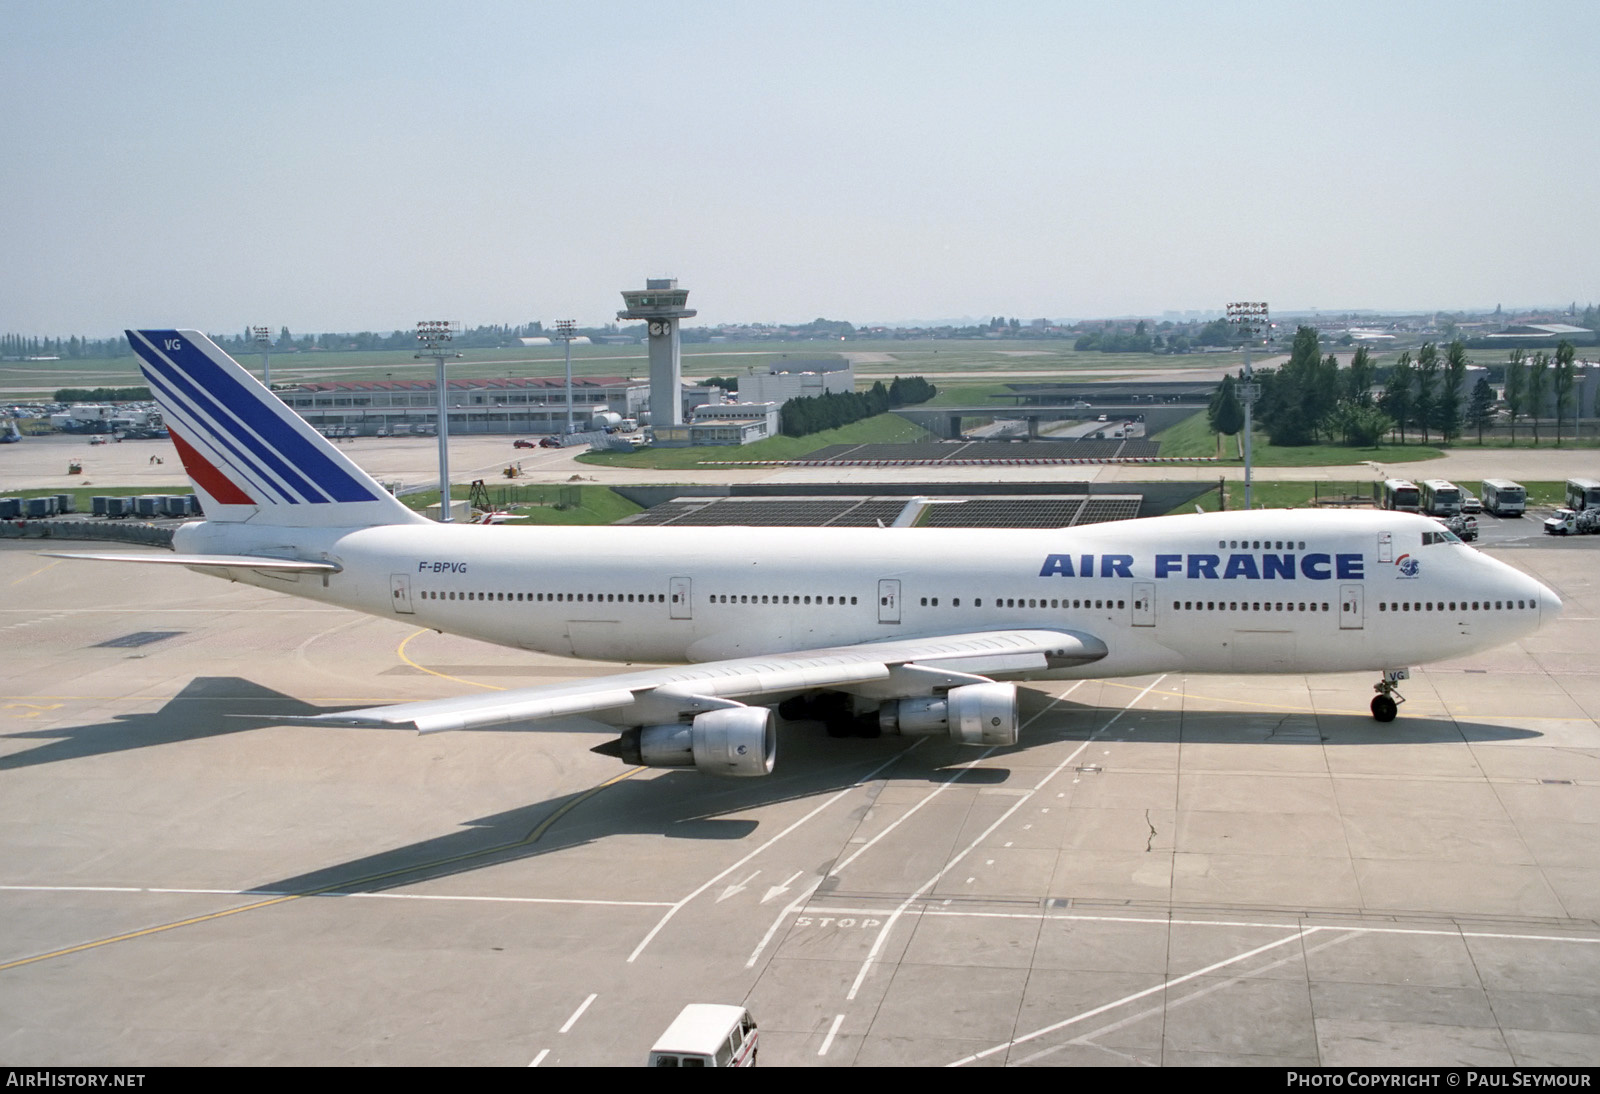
{"x":1249,"y":318}
{"x":434,"y":337}
{"x":564,"y":331}
{"x":263,"y":337}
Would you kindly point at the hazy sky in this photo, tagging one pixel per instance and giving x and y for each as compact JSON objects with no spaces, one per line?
{"x":348,"y":166}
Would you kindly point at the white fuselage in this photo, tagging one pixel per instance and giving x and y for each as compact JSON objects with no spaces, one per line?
{"x":1264,"y":591}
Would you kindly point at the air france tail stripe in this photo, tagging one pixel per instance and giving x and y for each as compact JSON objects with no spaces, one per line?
{"x":206,"y":474}
{"x":271,"y":425}
{"x":189,"y":380}
{"x":202,"y":429}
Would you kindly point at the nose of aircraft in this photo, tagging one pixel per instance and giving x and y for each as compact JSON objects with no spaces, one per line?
{"x":1549,"y":602}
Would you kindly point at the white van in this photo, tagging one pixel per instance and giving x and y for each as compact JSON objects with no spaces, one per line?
{"x":707,"y":1035}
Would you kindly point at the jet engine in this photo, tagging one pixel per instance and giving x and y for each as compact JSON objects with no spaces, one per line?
{"x":974,"y":714}
{"x":738,"y":741}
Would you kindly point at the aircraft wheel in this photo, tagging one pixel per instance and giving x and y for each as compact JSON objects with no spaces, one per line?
{"x":1384,"y":708}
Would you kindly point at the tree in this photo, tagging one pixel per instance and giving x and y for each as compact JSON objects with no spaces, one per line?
{"x":1480,"y":411}
{"x":1427,"y":398}
{"x":1226,"y":412}
{"x":1562,"y":380}
{"x":1516,"y":389}
{"x":1297,"y":398}
{"x":1397,"y":402}
{"x":1537,"y":380}
{"x":1358,"y":381}
{"x":1455,"y":378}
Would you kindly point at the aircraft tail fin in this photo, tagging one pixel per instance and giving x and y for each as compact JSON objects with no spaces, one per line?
{"x":249,"y":456}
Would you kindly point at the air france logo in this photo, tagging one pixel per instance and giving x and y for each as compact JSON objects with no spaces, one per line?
{"x":1408,"y":566}
{"x":1315,"y":566}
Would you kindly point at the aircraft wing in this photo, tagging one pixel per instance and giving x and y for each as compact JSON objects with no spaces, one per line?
{"x":902,"y":667}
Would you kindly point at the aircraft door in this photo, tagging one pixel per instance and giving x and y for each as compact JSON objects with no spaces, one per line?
{"x":1351,"y":616}
{"x":680,"y":597}
{"x":400,"y":594}
{"x":889,"y":600}
{"x":1144,"y":604}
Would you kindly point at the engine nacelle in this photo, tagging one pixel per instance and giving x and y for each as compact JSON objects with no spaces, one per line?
{"x":974,"y":714}
{"x":740,"y":741}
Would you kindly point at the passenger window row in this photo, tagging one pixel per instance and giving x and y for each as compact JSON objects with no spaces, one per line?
{"x":628,"y":598}
{"x":1249,"y":606}
{"x":773,"y":598}
{"x":1455,"y":605}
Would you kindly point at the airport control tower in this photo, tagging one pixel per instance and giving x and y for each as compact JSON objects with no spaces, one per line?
{"x":661,"y":304}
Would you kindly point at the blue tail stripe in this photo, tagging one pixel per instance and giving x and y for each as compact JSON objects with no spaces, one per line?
{"x":217,"y":424}
{"x":271,"y":428}
{"x":203,"y":432}
{"x":200,"y":377}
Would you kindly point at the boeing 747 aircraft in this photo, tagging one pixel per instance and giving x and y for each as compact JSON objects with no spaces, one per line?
{"x":872,"y":630}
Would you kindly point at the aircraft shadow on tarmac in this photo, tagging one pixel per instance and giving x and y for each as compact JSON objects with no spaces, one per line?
{"x":208,"y":706}
{"x":687,"y":805}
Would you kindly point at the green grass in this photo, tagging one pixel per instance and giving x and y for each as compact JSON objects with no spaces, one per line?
{"x":882,"y":429}
{"x":540,"y":504}
{"x":1192,"y":437}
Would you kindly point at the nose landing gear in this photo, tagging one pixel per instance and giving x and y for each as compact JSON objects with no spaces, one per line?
{"x":1386,"y":704}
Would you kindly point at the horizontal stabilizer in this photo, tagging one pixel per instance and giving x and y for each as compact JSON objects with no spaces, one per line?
{"x":240,"y":562}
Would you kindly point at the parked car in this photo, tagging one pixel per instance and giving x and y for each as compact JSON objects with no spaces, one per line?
{"x":1470,"y":502}
{"x":523,"y":444}
{"x":548,"y":442}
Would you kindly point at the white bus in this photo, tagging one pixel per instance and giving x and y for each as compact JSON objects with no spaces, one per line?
{"x":1504,"y":498}
{"x":1401,"y":495}
{"x":1441,"y":498}
{"x":1583,"y":494}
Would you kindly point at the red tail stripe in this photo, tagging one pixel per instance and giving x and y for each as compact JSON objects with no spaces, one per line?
{"x":205,"y":474}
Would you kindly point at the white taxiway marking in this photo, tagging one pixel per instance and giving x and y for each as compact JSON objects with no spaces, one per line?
{"x":827,"y":1042}
{"x":1166,"y":986}
{"x":737,"y":887}
{"x":782,"y":887}
{"x":894,"y":917}
{"x":1192,"y":997}
{"x":674,"y":909}
{"x":539,"y":1059}
{"x":583,"y":1006}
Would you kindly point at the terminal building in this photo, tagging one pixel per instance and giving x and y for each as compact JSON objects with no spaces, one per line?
{"x":516,"y":404}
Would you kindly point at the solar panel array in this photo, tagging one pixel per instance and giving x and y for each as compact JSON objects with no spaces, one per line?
{"x":870,"y":514}
{"x":783,"y":513}
{"x":1098,"y":510}
{"x":988,"y":450}
{"x":668,"y":512}
{"x":1027,"y":511}
{"x":1005,"y":513}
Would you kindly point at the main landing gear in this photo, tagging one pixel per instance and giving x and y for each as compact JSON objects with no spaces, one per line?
{"x":1386,"y":704}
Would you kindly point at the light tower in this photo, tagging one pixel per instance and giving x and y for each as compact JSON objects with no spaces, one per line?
{"x":433,"y":340}
{"x":565,"y":330}
{"x":263,"y":338}
{"x":661,"y":304}
{"x":1250,"y":320}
